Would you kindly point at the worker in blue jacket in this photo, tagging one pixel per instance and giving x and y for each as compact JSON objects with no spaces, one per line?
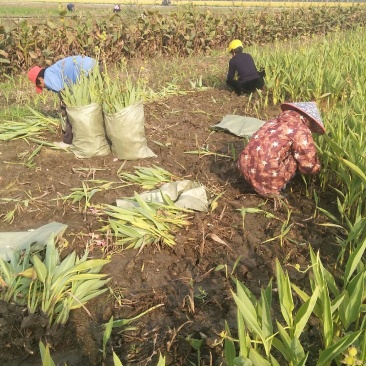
{"x":57,"y":76}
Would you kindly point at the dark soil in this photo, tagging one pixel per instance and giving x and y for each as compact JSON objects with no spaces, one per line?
{"x":172,"y":277}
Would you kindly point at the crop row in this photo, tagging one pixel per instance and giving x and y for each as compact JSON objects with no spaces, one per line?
{"x":181,"y":32}
{"x":329,"y":70}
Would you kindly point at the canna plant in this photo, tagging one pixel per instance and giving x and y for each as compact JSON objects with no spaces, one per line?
{"x":343,"y":160}
{"x":182,"y":31}
{"x":42,"y":282}
{"x":340,"y":92}
{"x":56,"y":287}
{"x":256,"y":332}
{"x":46,"y":355}
{"x":112,"y":323}
{"x":13,"y":285}
{"x":338,"y":309}
{"x":108,"y":327}
{"x":285,"y":227}
{"x":289,"y":68}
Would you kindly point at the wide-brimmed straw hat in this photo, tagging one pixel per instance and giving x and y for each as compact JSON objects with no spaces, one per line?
{"x":310,"y":110}
{"x":32,"y":76}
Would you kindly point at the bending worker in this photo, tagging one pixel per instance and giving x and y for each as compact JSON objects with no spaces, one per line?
{"x":280,"y":147}
{"x":243,"y":76}
{"x":70,"y":7}
{"x":116,"y":8}
{"x":55,"y":78}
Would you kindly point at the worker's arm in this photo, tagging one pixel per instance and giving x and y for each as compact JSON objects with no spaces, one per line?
{"x":232,"y":69}
{"x":304,"y":151}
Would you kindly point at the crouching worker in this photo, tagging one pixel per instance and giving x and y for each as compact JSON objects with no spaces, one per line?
{"x":116,"y":8}
{"x":55,"y":78}
{"x":243,"y":76}
{"x":280,"y":148}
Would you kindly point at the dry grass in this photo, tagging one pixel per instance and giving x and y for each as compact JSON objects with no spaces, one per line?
{"x":228,"y":3}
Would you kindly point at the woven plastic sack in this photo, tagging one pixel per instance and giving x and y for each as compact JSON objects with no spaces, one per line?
{"x":184,"y":193}
{"x":88,"y":130}
{"x":126,"y":132}
{"x":239,"y":125}
{"x":37,"y":239}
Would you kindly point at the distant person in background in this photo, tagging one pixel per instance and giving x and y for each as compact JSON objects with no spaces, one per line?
{"x":116,"y":9}
{"x":55,"y":78}
{"x":243,"y":76}
{"x":280,"y":148}
{"x":71,"y":7}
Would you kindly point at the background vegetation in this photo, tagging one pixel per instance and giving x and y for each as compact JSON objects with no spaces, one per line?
{"x":151,"y":33}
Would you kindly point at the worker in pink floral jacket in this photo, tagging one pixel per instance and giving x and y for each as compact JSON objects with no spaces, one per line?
{"x":280,"y":147}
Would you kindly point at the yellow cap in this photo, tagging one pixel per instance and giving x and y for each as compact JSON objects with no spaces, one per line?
{"x":234,"y":44}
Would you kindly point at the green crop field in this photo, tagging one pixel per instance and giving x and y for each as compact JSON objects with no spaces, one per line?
{"x":239,"y":284}
{"x":36,"y":8}
{"x":202,"y":3}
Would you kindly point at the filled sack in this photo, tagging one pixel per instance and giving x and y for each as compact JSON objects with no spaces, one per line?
{"x":89,"y":139}
{"x":126,"y":133}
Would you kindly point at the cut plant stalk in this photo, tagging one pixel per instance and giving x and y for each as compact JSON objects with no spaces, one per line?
{"x":148,"y":178}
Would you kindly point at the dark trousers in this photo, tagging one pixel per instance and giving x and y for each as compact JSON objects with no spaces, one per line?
{"x":67,"y":139}
{"x":249,"y":86}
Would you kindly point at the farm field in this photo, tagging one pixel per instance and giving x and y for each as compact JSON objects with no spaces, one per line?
{"x":28,"y":8}
{"x":182,"y":297}
{"x":200,"y":3}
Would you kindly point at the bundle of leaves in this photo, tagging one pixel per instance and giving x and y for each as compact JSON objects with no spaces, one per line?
{"x":87,"y":90}
{"x":28,"y":125}
{"x":119,"y":94}
{"x":144,"y":223}
{"x":147,"y":177}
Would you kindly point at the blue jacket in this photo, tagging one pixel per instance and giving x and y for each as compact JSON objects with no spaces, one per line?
{"x":66,"y":71}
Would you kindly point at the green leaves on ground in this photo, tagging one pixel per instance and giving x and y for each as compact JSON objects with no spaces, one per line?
{"x":31,"y":125}
{"x":147,"y":177}
{"x":144,"y":223}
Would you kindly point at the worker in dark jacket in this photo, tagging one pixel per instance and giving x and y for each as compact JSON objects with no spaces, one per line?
{"x":55,"y":77}
{"x":280,"y":148}
{"x":243,"y":76}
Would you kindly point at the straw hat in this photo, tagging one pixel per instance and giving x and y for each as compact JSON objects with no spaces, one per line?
{"x":32,"y":76}
{"x":310,"y":110}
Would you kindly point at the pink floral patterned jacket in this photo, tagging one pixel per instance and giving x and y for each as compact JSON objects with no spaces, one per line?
{"x":276,"y":151}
